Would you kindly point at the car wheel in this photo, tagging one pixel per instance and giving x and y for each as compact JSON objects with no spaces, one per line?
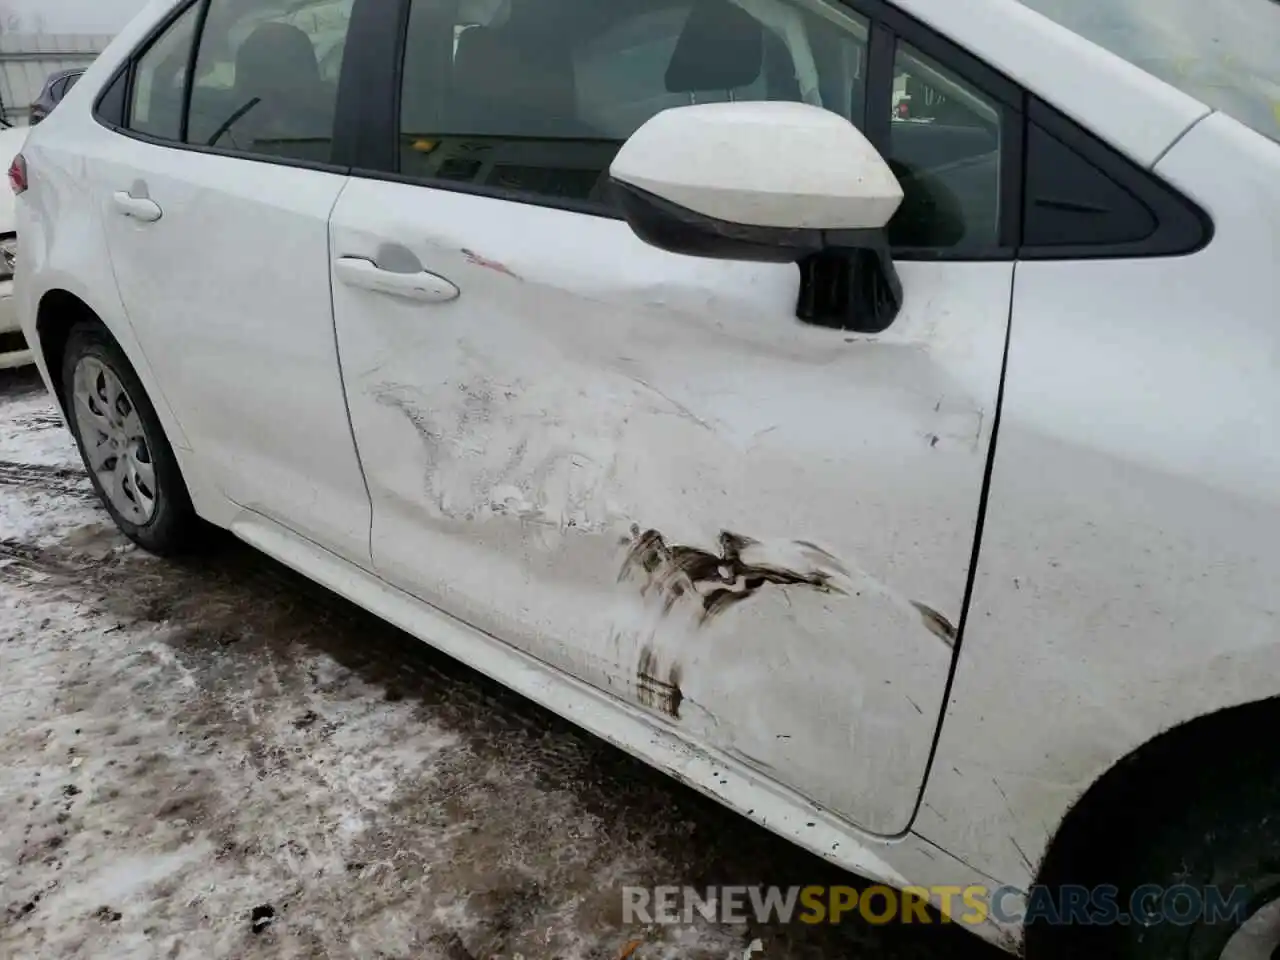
{"x":124,"y":449}
{"x":1197,"y":850}
{"x":1223,"y":842}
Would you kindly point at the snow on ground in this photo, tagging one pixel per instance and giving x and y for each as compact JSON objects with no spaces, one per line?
{"x":38,"y":458}
{"x":217,"y":759}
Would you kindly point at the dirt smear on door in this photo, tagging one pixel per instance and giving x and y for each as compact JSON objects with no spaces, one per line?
{"x":717,"y":582}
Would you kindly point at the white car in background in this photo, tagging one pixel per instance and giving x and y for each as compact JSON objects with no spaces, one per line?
{"x":14,"y":351}
{"x":910,"y":488}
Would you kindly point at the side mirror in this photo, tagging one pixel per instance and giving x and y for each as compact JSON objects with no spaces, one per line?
{"x":771,"y":182}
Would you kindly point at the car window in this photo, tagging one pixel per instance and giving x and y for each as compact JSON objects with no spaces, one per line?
{"x":619,"y":76}
{"x":536,"y":96}
{"x":159,"y":80}
{"x":944,"y":147}
{"x":266,"y":81}
{"x":1224,"y":53}
{"x":68,"y":83}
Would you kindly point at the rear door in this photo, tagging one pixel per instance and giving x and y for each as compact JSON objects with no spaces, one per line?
{"x":217,"y":223}
{"x":642,"y":468}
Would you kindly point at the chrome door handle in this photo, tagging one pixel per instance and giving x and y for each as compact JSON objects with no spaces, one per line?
{"x":419,"y":285}
{"x":142,"y":209}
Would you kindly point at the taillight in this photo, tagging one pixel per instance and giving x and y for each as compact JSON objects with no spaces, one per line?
{"x":18,"y":174}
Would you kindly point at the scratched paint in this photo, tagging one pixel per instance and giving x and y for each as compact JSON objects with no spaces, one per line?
{"x":479,"y":261}
{"x":643,"y":470}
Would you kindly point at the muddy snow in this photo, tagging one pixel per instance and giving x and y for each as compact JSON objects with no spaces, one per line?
{"x":217,"y":759}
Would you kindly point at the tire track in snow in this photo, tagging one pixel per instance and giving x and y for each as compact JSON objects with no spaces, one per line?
{"x":63,"y":481}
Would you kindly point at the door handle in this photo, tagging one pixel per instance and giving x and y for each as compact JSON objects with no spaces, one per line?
{"x":142,"y":209}
{"x":419,"y":285}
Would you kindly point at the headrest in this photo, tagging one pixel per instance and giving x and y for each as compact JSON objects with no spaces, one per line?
{"x":486,"y":13}
{"x":720,"y":48}
{"x":504,"y":85}
{"x":276,"y":56}
{"x":486,"y":59}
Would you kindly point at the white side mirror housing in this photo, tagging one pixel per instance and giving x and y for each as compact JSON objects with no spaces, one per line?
{"x":770,"y":182}
{"x":767,"y":174}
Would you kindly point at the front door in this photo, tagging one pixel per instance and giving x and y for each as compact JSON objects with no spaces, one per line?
{"x":641,"y":467}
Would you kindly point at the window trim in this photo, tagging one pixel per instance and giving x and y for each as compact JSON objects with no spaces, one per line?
{"x":1006,"y":96}
{"x":375,"y":62}
{"x":106,"y":110}
{"x":193,"y":60}
{"x":127,"y":70}
{"x":1183,"y":227}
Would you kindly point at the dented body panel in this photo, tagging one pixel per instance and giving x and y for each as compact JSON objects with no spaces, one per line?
{"x":640,"y":468}
{"x":633,"y":487}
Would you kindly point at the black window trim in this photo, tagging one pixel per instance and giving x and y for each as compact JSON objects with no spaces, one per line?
{"x":193,"y":59}
{"x":111,"y":102}
{"x":362,"y":11}
{"x":1182,"y":226}
{"x":1004,"y":94}
{"x":373,"y":61}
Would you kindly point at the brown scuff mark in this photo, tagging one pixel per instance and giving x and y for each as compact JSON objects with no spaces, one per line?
{"x":936,"y":624}
{"x":718,"y":582}
{"x":664,"y":695}
{"x":479,"y":261}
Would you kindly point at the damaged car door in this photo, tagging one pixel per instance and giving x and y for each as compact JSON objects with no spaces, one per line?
{"x":675,"y":477}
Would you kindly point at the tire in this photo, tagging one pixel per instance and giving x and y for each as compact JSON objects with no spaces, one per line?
{"x":1211,"y":820}
{"x":142,"y":487}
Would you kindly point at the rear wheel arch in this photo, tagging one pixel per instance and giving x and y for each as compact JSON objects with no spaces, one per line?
{"x":1166,"y":779}
{"x":59,"y":311}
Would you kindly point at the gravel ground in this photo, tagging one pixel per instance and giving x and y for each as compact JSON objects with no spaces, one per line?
{"x":219,"y":759}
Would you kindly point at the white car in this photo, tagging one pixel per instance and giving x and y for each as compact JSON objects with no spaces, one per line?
{"x":912,"y":489}
{"x":14,"y":351}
